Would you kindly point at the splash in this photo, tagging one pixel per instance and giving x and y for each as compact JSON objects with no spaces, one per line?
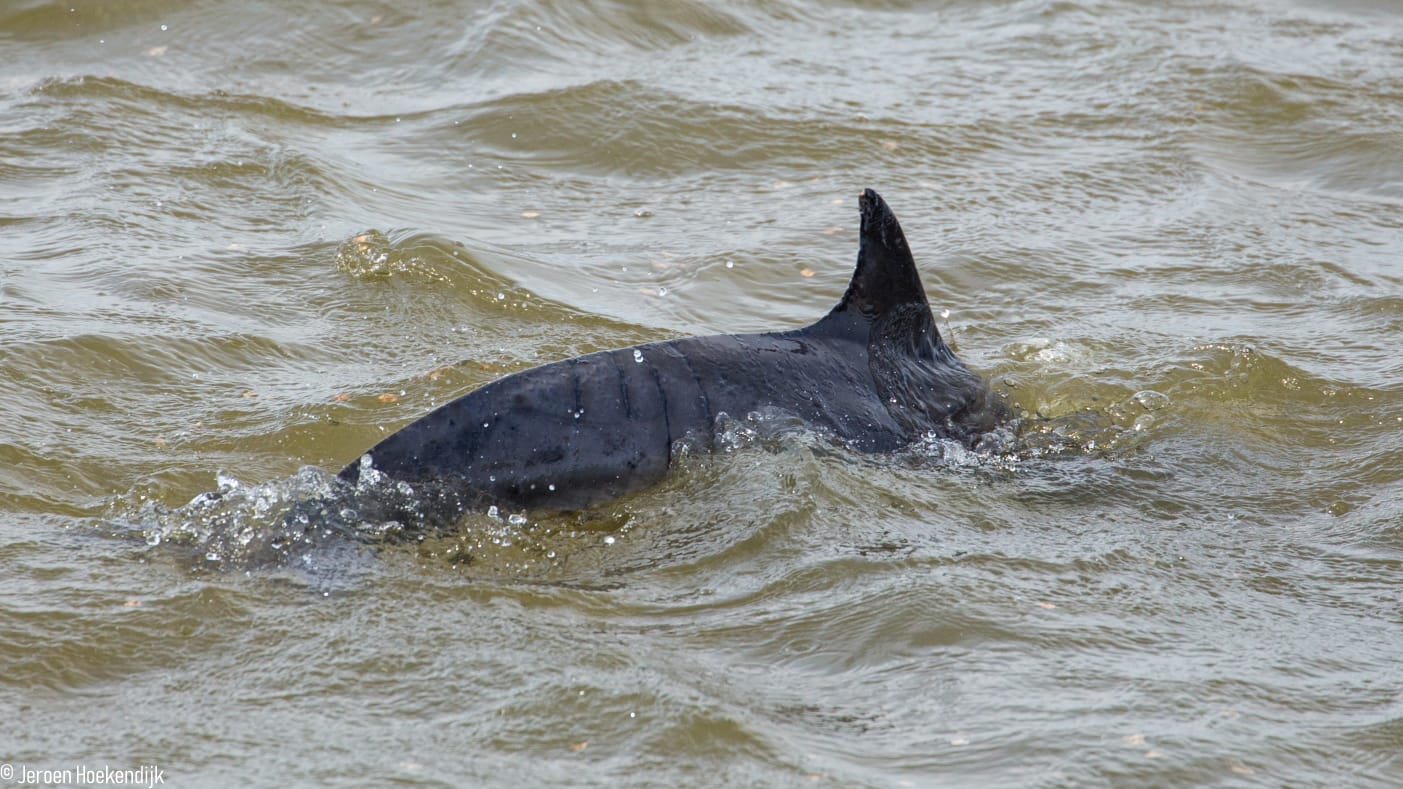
{"x":769,"y":427}
{"x":303,"y":521}
{"x":328,"y":532}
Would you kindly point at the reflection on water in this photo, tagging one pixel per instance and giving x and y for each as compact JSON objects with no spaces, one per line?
{"x":238,"y":246}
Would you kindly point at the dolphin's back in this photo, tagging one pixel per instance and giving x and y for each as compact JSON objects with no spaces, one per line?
{"x":564,"y":435}
{"x":588,"y":429}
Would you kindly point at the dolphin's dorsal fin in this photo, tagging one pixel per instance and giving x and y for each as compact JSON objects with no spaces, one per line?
{"x":885,"y":280}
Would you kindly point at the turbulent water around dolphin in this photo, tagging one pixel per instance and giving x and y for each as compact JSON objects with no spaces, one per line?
{"x":873,"y":373}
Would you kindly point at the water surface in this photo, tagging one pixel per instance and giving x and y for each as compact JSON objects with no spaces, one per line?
{"x":239,"y":242}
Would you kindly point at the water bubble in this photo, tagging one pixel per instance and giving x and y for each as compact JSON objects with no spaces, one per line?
{"x":1151,"y":400}
{"x":609,"y":540}
{"x":517,"y":519}
{"x":551,"y":486}
{"x":153,"y":538}
{"x":637,"y":356}
{"x":369,"y":476}
{"x":492,"y":512}
{"x":730,"y":264}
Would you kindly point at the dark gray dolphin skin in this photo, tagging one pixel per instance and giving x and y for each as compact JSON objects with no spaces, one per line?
{"x":873,"y":373}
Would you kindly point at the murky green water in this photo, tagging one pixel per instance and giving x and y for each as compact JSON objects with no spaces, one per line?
{"x":237,"y":239}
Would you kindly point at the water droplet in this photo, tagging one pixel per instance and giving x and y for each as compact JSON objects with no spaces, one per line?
{"x":492,"y":512}
{"x":662,"y":291}
{"x":730,"y":264}
{"x":637,"y":356}
{"x":609,"y":540}
{"x":163,"y":28}
{"x":517,"y":519}
{"x":153,"y":538}
{"x":551,"y":486}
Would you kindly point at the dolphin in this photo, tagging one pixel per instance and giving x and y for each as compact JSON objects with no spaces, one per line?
{"x":873,"y":374}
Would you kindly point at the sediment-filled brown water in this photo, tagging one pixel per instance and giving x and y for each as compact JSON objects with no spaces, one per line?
{"x":240,"y":242}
